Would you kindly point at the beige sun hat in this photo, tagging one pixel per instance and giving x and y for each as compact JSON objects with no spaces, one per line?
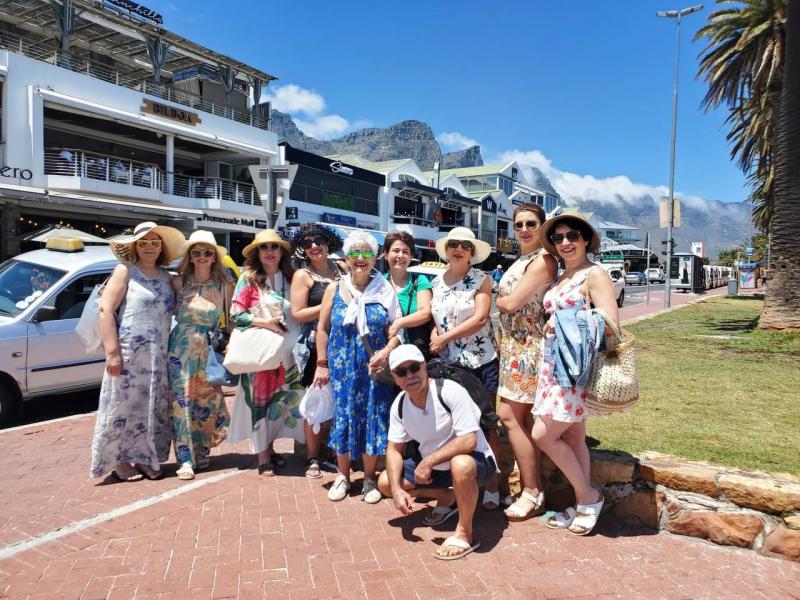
{"x":202,"y":236}
{"x":482,"y":249}
{"x":171,"y":241}
{"x":546,"y":230}
{"x":268,"y":236}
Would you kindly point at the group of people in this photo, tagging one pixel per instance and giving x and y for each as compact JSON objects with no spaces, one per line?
{"x":367,"y":336}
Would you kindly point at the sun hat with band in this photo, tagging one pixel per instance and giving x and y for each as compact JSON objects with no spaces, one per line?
{"x":203,"y":237}
{"x":549,"y":227}
{"x":171,"y":241}
{"x":482,"y":249}
{"x":404,"y":353}
{"x":268,"y":236}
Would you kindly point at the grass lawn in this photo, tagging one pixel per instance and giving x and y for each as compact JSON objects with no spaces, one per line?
{"x":714,"y":388}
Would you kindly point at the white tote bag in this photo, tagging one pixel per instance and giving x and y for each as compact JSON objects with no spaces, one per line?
{"x":88,"y":327}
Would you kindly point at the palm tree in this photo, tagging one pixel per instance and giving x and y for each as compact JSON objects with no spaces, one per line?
{"x":782,"y":306}
{"x":743,"y":66}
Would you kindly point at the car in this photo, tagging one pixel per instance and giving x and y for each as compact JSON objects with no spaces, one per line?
{"x":655,"y":274}
{"x":430,"y":268}
{"x":617,"y":282}
{"x":636,"y":277}
{"x":42,"y":294}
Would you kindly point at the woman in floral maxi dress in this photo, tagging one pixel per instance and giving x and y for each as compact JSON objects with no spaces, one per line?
{"x":200,"y":416}
{"x":267,"y":404}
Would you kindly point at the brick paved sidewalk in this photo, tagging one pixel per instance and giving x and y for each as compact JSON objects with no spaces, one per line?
{"x":234,"y":534}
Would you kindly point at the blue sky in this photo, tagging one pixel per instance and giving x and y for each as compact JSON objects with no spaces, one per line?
{"x":581,"y":89}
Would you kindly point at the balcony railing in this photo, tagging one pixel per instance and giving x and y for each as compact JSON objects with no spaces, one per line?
{"x":90,"y":165}
{"x":97,"y":70}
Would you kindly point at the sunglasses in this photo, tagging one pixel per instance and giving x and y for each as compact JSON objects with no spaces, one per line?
{"x":453,"y":244}
{"x":308,"y":242}
{"x":518,"y":225}
{"x":412,"y":368}
{"x":268,"y":247}
{"x":356,"y":254}
{"x":571,"y":236}
{"x":148,"y":243}
{"x":197,"y":253}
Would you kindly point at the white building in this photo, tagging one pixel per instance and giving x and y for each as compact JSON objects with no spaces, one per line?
{"x":109,"y":120}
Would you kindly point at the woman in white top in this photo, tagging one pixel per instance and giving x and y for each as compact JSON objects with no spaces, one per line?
{"x":462,"y":299}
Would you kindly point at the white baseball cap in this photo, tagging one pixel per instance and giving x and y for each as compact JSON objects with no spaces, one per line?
{"x":404,"y":353}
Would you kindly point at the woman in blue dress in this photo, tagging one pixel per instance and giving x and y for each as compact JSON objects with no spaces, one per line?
{"x":361,"y":306}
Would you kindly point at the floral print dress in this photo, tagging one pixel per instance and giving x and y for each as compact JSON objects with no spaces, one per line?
{"x":452,"y":305}
{"x":360,"y":404}
{"x":566,"y":405}
{"x":267,"y":403}
{"x":200,"y":416}
{"x":520,"y":337}
{"x":133,"y":415}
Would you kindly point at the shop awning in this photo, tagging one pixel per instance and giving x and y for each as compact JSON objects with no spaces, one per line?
{"x":417,"y":187}
{"x":104,"y":203}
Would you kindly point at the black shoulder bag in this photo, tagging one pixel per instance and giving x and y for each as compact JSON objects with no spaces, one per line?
{"x":420,"y":335}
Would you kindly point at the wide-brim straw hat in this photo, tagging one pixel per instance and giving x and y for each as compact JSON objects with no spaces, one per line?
{"x":482,"y":249}
{"x":268,"y":236}
{"x":546,"y":230}
{"x":171,"y":241}
{"x":202,"y":236}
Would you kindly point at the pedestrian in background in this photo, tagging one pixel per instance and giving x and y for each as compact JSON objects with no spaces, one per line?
{"x":352,"y":341}
{"x":267,"y":402}
{"x":313,"y":244}
{"x":462,"y":299}
{"x":560,"y":430}
{"x":203,"y":289}
{"x":132,"y":433}
{"x":522,"y":318}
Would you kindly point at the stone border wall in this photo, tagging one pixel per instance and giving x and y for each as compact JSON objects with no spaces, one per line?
{"x":727,"y":506}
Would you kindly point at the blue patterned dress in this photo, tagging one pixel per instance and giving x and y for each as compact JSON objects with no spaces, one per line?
{"x":360,"y":405}
{"x":133,"y":416}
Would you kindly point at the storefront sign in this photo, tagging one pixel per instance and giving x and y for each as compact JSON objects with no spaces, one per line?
{"x":16,"y":173}
{"x":235,"y":221}
{"x":335,"y":219}
{"x":337,"y":167}
{"x":138,"y":10}
{"x":489,"y":204}
{"x":170,"y":112}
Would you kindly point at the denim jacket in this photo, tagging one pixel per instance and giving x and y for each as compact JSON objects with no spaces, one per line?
{"x":579,"y":335}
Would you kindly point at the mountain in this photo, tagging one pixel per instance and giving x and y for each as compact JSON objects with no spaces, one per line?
{"x":407,"y":139}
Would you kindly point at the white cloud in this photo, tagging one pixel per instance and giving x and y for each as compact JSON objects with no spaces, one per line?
{"x":294,"y":99}
{"x":323,"y":127}
{"x":454,"y":139}
{"x":573,"y":186}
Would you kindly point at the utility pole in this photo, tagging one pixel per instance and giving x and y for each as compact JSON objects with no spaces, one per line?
{"x":647,"y":267}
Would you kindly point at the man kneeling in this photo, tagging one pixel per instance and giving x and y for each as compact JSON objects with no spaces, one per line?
{"x":442,"y":418}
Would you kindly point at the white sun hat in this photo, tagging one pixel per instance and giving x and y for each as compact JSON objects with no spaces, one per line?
{"x":482,"y":249}
{"x":202,"y":236}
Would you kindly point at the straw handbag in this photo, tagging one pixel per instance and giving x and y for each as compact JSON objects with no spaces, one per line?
{"x":613,"y":383}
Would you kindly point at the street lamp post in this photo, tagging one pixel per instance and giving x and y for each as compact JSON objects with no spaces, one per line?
{"x":677,"y":15}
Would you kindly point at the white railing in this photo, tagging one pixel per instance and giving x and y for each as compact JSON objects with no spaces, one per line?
{"x":97,"y":70}
{"x":90,"y":165}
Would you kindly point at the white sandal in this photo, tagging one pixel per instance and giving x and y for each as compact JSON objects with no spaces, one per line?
{"x":586,"y":517}
{"x":562,"y":520}
{"x":516,"y":514}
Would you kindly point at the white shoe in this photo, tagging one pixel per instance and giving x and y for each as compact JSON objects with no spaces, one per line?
{"x":372,"y":495}
{"x":186,"y":472}
{"x":339,"y":489}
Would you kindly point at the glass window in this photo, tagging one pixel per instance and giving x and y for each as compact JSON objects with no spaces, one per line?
{"x":21,"y":283}
{"x":71,"y":300}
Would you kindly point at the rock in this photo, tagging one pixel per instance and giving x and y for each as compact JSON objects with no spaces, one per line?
{"x":783,"y":542}
{"x":727,"y":529}
{"x":639,"y":508}
{"x":792,"y":521}
{"x":611,"y":468}
{"x":469,"y":157}
{"x":685,"y":477}
{"x":761,"y":493}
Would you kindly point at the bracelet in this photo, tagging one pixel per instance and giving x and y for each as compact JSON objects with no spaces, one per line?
{"x":322,"y":363}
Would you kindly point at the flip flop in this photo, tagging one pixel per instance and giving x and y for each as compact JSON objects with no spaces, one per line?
{"x":312,"y":469}
{"x":137,"y":477}
{"x":458,"y":543}
{"x":440,"y":514}
{"x":490,"y":498}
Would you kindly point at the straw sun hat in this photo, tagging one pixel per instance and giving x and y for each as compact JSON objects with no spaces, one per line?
{"x":268,"y":236}
{"x":550,"y":226}
{"x":482,"y":249}
{"x":171,"y":241}
{"x":203,"y":237}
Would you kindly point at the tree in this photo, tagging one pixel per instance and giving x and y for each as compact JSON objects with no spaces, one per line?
{"x":782,"y":305}
{"x":743,"y":66}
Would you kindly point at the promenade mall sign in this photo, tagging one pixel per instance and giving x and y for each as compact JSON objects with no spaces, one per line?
{"x":169,"y":112}
{"x":233,"y":222}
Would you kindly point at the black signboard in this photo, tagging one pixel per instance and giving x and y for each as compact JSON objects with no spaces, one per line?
{"x":489,"y":204}
{"x":321,"y":163}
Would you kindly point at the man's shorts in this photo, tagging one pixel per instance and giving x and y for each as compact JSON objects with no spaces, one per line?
{"x":444,"y":479}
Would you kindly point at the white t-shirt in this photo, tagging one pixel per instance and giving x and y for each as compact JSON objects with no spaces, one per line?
{"x":434,"y":429}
